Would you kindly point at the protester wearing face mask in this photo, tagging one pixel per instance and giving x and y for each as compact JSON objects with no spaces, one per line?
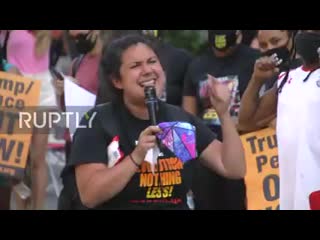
{"x":225,"y":59}
{"x":298,"y":105}
{"x":295,"y":100}
{"x":279,"y":43}
{"x":84,"y":69}
{"x":305,"y":84}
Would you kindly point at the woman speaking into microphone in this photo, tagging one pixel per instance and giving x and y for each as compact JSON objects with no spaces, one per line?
{"x":108,"y":167}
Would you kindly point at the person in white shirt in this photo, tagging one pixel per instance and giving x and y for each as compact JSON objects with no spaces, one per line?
{"x":295,"y":100}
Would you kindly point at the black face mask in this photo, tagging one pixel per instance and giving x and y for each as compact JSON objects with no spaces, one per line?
{"x":282,"y":53}
{"x":307,"y":45}
{"x":83,"y":44}
{"x":222,"y":40}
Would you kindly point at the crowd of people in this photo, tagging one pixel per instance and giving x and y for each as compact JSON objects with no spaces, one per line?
{"x":274,"y":81}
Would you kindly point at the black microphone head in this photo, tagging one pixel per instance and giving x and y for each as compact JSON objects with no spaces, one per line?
{"x":150,"y":93}
{"x":151,"y":101}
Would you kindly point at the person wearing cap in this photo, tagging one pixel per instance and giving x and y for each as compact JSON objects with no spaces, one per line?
{"x":225,"y":59}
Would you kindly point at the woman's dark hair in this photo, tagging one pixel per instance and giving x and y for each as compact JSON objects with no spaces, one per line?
{"x":116,"y":34}
{"x":111,"y":63}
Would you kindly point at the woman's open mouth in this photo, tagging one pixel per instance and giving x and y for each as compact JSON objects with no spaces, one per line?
{"x":149,"y":82}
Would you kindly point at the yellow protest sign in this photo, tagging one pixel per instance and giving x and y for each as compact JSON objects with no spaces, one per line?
{"x":17,"y":95}
{"x":262,"y":179}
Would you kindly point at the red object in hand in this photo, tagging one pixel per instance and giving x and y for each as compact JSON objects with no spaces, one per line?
{"x":314,"y":200}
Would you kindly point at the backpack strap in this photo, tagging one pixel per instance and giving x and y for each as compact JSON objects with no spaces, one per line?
{"x":69,"y":198}
{"x":76,"y":64}
{"x":108,"y":123}
{"x":5,"y":43}
{"x":114,"y":125}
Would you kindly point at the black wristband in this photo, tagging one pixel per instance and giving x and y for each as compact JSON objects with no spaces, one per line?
{"x":134,"y":162}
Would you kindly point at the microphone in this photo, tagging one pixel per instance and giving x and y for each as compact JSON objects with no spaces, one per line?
{"x":151,"y":101}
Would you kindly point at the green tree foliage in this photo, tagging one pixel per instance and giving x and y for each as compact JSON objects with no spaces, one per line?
{"x":192,"y":40}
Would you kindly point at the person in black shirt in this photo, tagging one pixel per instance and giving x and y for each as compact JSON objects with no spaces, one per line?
{"x":107,"y":161}
{"x":226,"y":59}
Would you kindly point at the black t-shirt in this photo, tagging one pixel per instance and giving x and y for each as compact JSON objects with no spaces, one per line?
{"x":212,"y":191}
{"x":143,"y":191}
{"x":175,"y":62}
{"x":237,"y":67}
